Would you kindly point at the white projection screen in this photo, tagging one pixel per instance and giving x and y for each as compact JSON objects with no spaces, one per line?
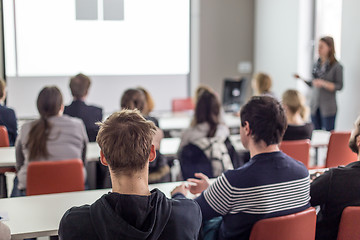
{"x":116,"y":42}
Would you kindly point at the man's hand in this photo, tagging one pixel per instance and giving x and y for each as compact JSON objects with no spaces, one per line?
{"x":183,"y":189}
{"x":200,"y":184}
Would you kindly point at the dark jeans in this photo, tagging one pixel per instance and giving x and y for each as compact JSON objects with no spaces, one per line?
{"x":320,"y":122}
{"x":17,"y":192}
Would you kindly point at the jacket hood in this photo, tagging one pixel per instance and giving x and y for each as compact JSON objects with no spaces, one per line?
{"x":118,"y":216}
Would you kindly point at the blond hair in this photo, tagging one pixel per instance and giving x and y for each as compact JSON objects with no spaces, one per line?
{"x":262,"y":83}
{"x":149,"y":102}
{"x":295,"y":102}
{"x":125,"y":138}
{"x":2,"y":88}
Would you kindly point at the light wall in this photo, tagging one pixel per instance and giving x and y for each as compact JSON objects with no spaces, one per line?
{"x":349,"y":97}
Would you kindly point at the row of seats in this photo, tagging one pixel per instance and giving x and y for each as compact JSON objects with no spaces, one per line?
{"x":302,"y":225}
{"x":338,"y":152}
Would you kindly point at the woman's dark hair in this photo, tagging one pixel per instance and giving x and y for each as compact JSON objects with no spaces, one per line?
{"x":329,"y":41}
{"x":266,"y":118}
{"x":49,"y":103}
{"x":133,"y":99}
{"x":207,"y":110}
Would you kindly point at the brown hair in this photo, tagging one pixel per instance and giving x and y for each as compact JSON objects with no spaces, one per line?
{"x":133,"y":99}
{"x":207,"y":110}
{"x":199,"y":90}
{"x":295,"y":101}
{"x":79,"y":85}
{"x":2,"y":88}
{"x":329,"y":41}
{"x":149,"y":102}
{"x":263,"y":83}
{"x":125,"y":138}
{"x":49,"y":104}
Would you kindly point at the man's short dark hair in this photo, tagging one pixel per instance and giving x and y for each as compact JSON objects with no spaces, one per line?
{"x":266,"y":118}
{"x":79,"y":85}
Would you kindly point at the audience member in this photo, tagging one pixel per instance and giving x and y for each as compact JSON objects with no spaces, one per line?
{"x":148,"y":106}
{"x":79,"y":86}
{"x":4,"y":232}
{"x":206,"y":122}
{"x":336,"y":189}
{"x":130,"y":211}
{"x":271,"y":184}
{"x":297,"y":114}
{"x":159,"y":170}
{"x":52,"y":137}
{"x":7,"y":115}
{"x":261,"y":85}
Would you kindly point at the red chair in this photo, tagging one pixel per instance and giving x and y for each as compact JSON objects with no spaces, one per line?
{"x":299,"y":150}
{"x":44,"y":177}
{"x":298,"y":226}
{"x":184,"y":104}
{"x":4,"y":137}
{"x":349,"y":224}
{"x":338,"y":152}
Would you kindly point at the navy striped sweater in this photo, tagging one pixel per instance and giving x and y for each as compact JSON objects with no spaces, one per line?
{"x":269,"y":185}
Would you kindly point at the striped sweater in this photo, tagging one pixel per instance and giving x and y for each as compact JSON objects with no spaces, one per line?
{"x":269,"y":185}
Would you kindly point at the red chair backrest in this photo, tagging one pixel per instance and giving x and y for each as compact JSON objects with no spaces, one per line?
{"x":339,"y":152}
{"x":349,"y":224}
{"x":299,"y":150}
{"x":297,"y":226}
{"x":184,"y":104}
{"x":4,"y":137}
{"x":44,"y":177}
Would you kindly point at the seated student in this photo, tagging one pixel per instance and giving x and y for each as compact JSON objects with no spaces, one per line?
{"x":130,"y":211}
{"x":296,"y":113}
{"x":159,"y":170}
{"x":261,"y":85}
{"x":148,"y":106}
{"x":79,"y":86}
{"x":336,"y":189}
{"x":4,"y":232}
{"x":52,"y":137}
{"x":7,"y":115}
{"x":271,"y":184}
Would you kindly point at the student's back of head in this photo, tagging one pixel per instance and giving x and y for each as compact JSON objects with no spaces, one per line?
{"x":49,"y":103}
{"x":266,"y":119}
{"x":207,"y":110}
{"x":133,"y":99}
{"x":261,"y":84}
{"x":2,"y":89}
{"x":294,"y":102}
{"x":79,"y":85}
{"x":149,"y":102}
{"x":125,"y":139}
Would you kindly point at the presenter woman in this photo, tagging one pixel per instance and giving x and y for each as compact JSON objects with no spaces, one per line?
{"x":327,"y":79}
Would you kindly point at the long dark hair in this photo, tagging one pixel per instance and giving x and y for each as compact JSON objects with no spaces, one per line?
{"x":49,"y":104}
{"x":207,"y":110}
{"x":329,"y":41}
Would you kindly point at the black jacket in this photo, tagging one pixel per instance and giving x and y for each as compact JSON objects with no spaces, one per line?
{"x":8,"y":119}
{"x":89,"y":114}
{"x":130,"y":217}
{"x":333,"y":191}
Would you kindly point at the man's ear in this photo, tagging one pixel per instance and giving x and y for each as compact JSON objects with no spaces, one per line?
{"x":358,"y":141}
{"x":103,"y":159}
{"x":152,"y":155}
{"x":247,"y":128}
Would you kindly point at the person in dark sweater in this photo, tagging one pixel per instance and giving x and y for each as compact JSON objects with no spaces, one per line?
{"x":79,"y":86}
{"x":297,"y":114}
{"x":131,"y":211}
{"x":7,"y":115}
{"x":271,"y":184}
{"x":335,"y":190}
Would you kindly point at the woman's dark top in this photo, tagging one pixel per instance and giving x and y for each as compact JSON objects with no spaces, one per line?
{"x":298,"y":132}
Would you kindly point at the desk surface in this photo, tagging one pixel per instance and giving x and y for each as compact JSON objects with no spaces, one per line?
{"x":38,"y":216}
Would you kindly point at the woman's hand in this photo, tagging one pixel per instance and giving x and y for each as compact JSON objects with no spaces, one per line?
{"x":321,"y":83}
{"x":183,"y":189}
{"x":200,"y":184}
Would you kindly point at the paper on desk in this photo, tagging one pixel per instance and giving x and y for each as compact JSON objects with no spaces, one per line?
{"x":4,"y":216}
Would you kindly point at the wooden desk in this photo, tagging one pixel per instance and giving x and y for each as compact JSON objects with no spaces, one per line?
{"x":38,"y":216}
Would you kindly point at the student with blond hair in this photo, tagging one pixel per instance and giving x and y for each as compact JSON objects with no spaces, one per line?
{"x":297,"y":114}
{"x":261,"y":85}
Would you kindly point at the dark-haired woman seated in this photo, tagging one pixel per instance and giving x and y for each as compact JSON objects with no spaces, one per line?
{"x":52,"y":137}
